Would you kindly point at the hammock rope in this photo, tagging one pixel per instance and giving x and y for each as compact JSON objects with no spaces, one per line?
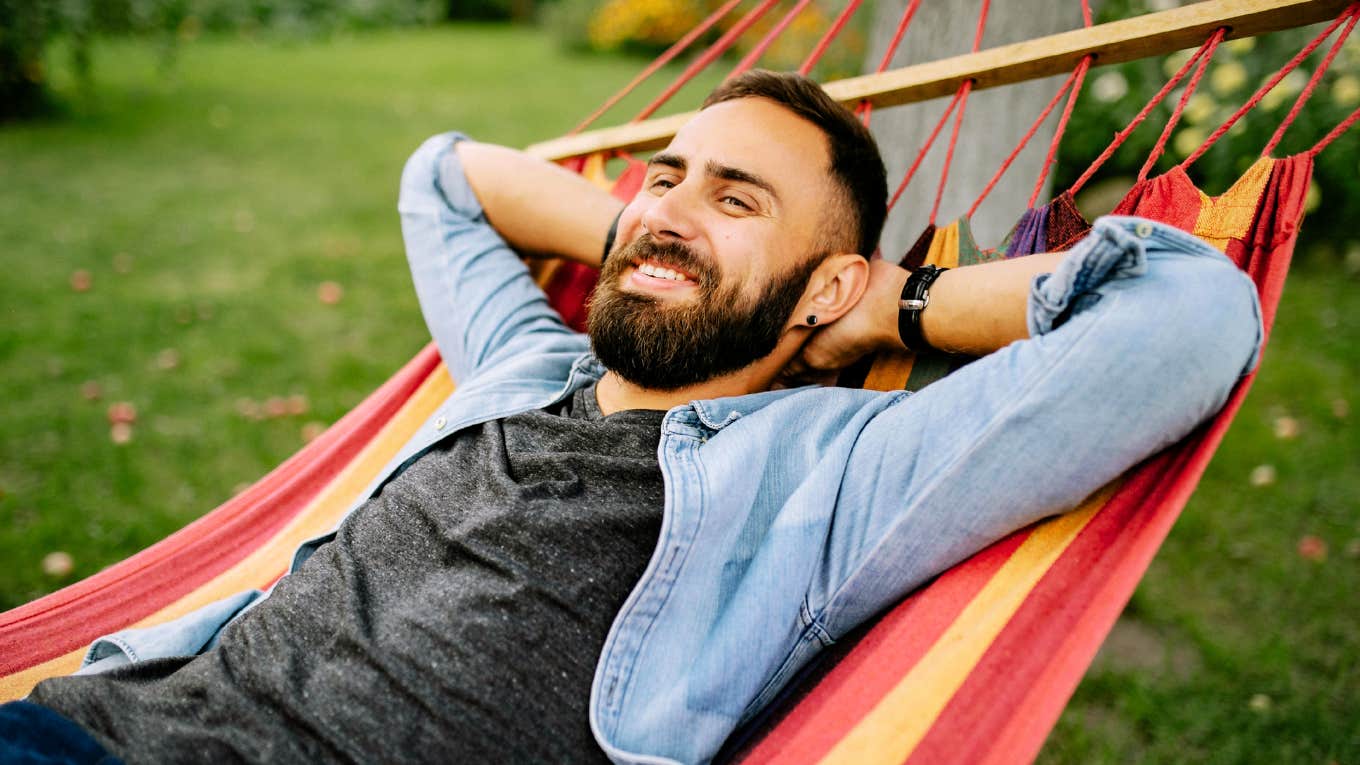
{"x":1159,"y":147}
{"x":1121,"y":136}
{"x":1291,"y":65}
{"x":710,"y":55}
{"x":865,"y":108}
{"x":765,"y":42}
{"x":925,"y":149}
{"x":831,"y":34}
{"x":1311,"y":86}
{"x":1061,"y":129}
{"x":665,"y":58}
{"x":965,"y":89}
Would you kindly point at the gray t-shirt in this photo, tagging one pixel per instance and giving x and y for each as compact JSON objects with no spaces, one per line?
{"x":456,"y":617}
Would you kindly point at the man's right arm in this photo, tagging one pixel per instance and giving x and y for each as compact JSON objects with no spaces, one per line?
{"x":539,"y":207}
{"x":460,"y":220}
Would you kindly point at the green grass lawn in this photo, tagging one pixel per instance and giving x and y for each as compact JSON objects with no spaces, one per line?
{"x":209,"y":205}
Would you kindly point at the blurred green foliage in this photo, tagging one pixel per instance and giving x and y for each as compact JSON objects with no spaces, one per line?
{"x":28,"y":27}
{"x":1114,"y":94}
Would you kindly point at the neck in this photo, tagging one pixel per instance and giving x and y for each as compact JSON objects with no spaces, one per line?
{"x":616,"y":394}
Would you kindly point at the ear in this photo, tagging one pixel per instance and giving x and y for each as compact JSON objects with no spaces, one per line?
{"x":834,"y":288}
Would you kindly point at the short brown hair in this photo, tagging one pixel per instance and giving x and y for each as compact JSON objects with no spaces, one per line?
{"x":856,"y":165}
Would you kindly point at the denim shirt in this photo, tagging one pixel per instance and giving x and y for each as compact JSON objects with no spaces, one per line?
{"x":791,"y":516}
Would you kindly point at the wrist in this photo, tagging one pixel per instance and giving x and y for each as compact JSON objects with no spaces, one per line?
{"x":885,"y":284}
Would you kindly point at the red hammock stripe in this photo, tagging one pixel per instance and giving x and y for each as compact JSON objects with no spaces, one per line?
{"x":865,"y":109}
{"x":878,"y":661}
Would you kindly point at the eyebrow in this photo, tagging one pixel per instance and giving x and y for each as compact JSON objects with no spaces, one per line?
{"x":715,"y":170}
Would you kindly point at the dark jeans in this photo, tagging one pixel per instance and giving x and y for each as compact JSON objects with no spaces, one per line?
{"x":35,"y":735}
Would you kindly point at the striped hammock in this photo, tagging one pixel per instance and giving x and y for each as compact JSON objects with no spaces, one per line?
{"x":973,"y":668}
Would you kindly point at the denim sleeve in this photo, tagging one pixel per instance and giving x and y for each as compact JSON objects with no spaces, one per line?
{"x":1137,"y":337}
{"x":477,"y":296}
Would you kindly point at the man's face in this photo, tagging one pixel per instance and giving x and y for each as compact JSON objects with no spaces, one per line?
{"x":718,"y":246}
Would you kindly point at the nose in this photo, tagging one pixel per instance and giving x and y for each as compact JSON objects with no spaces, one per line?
{"x":673,"y":214}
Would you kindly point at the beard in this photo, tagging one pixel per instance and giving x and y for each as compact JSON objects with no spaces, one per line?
{"x":666,"y":347}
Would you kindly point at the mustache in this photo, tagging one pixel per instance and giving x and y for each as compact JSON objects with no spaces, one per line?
{"x":675,"y":254}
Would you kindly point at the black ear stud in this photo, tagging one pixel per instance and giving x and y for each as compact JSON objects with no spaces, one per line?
{"x":812,"y":320}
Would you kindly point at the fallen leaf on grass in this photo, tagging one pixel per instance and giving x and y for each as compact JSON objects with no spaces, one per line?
{"x":330,"y":293}
{"x":1286,"y":427}
{"x":1312,"y":548}
{"x":81,"y":281}
{"x":91,"y":390}
{"x":120,"y":433}
{"x":312,"y":430}
{"x":122,"y":412}
{"x":57,"y":564}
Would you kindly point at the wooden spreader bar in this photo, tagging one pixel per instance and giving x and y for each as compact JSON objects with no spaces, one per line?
{"x":1152,"y":34}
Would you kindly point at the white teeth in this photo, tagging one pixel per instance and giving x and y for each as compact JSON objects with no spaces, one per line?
{"x":661,"y":273}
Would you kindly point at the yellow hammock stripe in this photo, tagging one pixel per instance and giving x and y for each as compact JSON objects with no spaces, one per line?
{"x":891,"y":731}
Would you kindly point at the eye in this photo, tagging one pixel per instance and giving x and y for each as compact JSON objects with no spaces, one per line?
{"x":661,"y":183}
{"x":734,"y":201}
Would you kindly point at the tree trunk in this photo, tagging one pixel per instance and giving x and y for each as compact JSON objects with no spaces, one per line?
{"x":993,"y":123}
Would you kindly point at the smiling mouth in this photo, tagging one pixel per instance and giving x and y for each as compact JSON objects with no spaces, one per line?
{"x":659,"y":270}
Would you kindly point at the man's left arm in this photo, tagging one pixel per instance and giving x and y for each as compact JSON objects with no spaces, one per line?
{"x":1112,"y":352}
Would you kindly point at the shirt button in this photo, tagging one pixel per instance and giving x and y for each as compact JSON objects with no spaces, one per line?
{"x":440,"y":423}
{"x":1143,"y":229}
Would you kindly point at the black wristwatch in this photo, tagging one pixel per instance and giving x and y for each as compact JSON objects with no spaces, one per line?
{"x":915,"y":298}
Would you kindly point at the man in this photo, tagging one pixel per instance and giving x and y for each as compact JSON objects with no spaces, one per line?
{"x":628,"y":553}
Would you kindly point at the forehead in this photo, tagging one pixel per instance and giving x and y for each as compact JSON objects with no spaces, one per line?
{"x":761,"y":137}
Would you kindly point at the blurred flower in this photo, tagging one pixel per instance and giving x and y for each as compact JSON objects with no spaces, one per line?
{"x":1314,"y":198}
{"x":1199,"y":108}
{"x":1110,"y":86}
{"x":297,"y":404}
{"x":1286,"y":90}
{"x":1341,"y":408}
{"x":57,"y":564}
{"x":91,"y":390}
{"x":167,"y":358}
{"x":1346,"y":90}
{"x":1262,"y":475}
{"x":1353,"y":548}
{"x":275,"y":406}
{"x":1312,"y":548}
{"x":1259,"y":703}
{"x":81,"y":281}
{"x":1187,"y":140}
{"x":1172,"y":63}
{"x":330,"y":292}
{"x":1227,"y":77}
